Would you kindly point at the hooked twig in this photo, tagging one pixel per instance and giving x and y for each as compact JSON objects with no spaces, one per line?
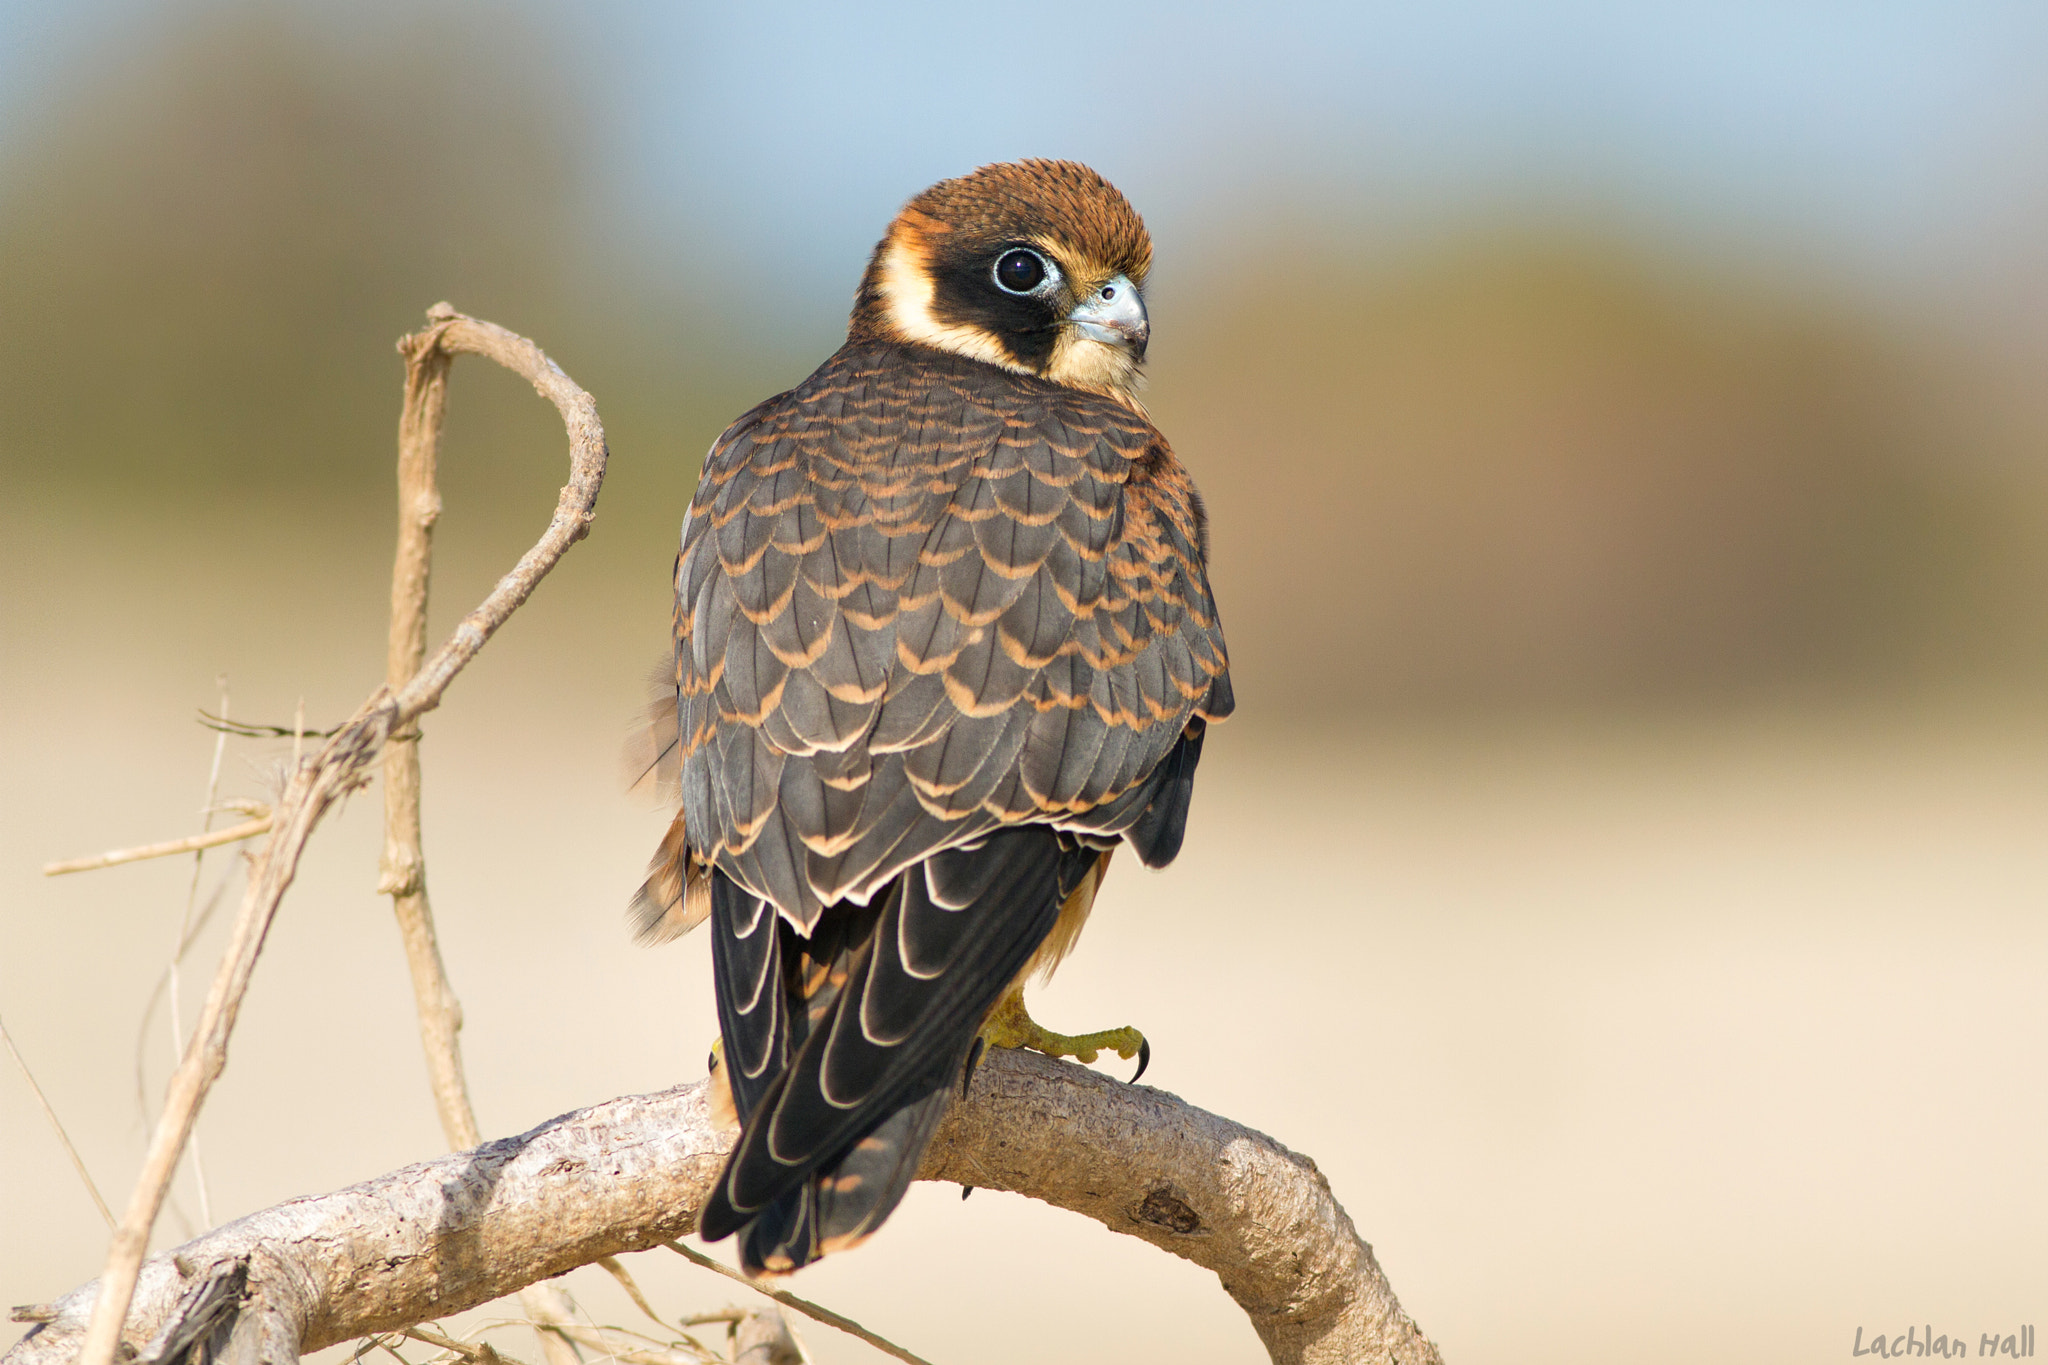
{"x":402,"y":872}
{"x":341,"y":766}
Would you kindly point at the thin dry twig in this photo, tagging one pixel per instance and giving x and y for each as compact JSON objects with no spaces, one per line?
{"x":56,"y":1123}
{"x":259,"y":823}
{"x":243,"y":729}
{"x":317,"y":784}
{"x":170,"y":848}
{"x":801,"y":1305}
{"x":402,"y":869}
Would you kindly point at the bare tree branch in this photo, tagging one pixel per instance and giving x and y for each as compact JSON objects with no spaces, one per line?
{"x":340,"y":767}
{"x":402,"y":872}
{"x":627,"y":1175}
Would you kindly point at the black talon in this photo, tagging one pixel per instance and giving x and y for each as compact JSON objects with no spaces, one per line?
{"x":974,"y":1060}
{"x":1144,"y":1059}
{"x":966,"y":1190}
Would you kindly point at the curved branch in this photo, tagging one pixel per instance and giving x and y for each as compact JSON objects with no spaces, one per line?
{"x":627,"y":1175}
{"x":316,"y":784}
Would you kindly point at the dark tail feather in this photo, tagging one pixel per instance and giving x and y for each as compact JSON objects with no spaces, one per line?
{"x":842,"y":1204}
{"x":868,"y":1184}
{"x":783,"y":1237}
{"x":883,"y":1005}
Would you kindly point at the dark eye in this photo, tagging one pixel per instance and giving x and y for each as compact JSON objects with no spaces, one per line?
{"x":1020,"y":271}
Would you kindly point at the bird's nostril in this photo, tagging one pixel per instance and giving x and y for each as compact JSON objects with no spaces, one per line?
{"x":1108,"y":292}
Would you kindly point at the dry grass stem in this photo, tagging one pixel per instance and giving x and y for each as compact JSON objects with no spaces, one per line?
{"x":801,"y":1305}
{"x":259,"y":823}
{"x":191,"y":844}
{"x":156,"y":995}
{"x":173,"y":970}
{"x":255,"y":810}
{"x":315,"y":785}
{"x":57,"y":1126}
{"x":643,"y":1352}
{"x":368,"y":1346}
{"x":610,"y":1265}
{"x":245,"y":730}
{"x":725,"y":1315}
{"x":483,"y":1353}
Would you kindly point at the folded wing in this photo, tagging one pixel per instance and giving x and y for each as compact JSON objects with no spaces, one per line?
{"x":920,"y":599}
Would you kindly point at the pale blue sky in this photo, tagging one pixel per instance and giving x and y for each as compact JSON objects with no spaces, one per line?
{"x":1902,"y":141}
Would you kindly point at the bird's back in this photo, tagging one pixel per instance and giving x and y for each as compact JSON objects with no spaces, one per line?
{"x":920,"y":598}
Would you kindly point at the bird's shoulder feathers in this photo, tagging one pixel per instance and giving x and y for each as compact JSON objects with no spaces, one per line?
{"x":920,"y":598}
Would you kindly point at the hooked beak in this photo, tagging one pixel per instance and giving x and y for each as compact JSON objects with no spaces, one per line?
{"x":1115,"y":316}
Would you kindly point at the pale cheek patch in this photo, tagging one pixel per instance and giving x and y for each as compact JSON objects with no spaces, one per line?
{"x":1082,"y":362}
{"x":907,"y":301}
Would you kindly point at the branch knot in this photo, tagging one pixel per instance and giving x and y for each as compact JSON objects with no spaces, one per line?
{"x":1167,"y":1208}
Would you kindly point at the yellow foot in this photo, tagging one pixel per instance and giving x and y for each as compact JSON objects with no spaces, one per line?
{"x":1008,"y":1025}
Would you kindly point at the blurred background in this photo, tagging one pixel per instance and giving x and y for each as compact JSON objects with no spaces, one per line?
{"x":1625,"y":438}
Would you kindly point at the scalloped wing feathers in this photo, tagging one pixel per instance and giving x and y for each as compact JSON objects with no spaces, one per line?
{"x":920,"y":599}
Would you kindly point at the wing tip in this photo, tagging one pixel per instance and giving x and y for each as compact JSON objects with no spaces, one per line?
{"x":676,"y":897}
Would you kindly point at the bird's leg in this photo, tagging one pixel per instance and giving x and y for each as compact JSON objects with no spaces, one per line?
{"x":1008,"y":1025}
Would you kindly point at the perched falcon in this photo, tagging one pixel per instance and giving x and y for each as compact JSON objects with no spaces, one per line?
{"x":944,"y":640}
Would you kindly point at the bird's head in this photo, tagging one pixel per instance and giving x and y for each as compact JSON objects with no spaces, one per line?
{"x":1036,"y":266}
